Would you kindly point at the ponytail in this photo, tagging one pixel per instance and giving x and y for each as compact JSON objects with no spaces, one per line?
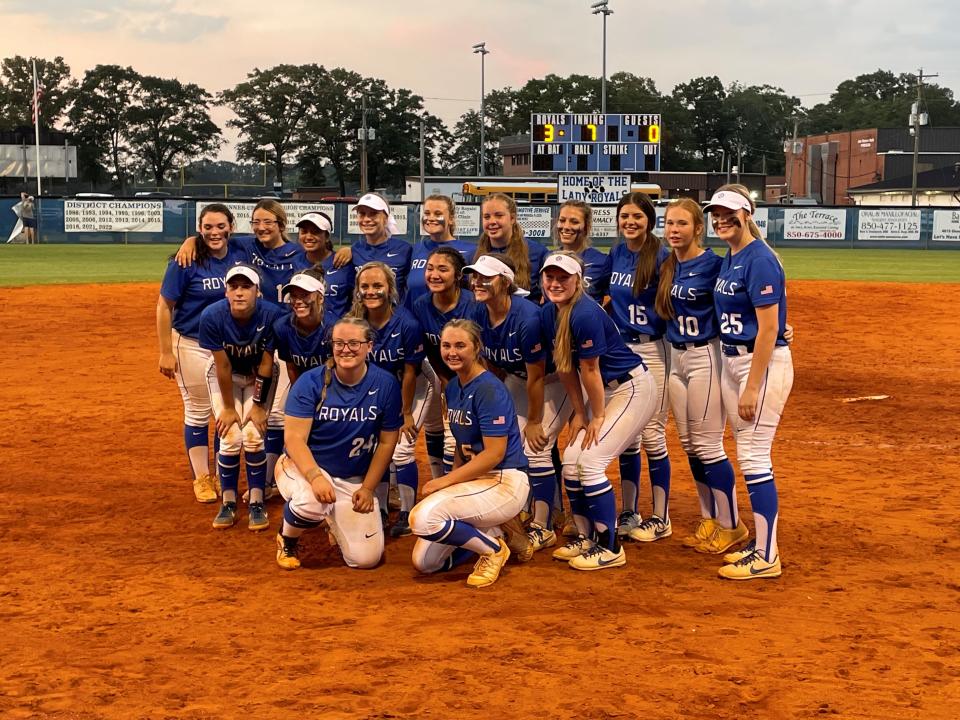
{"x":516,"y":246}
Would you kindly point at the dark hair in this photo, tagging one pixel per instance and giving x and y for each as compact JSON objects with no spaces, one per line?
{"x":202,"y":251}
{"x":647,"y":258}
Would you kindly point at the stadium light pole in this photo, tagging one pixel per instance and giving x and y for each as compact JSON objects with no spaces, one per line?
{"x":600,"y":8}
{"x":481,"y":48}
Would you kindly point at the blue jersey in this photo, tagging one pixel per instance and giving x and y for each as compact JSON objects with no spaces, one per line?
{"x":395,"y":253}
{"x":347,"y":424}
{"x":397,"y":343}
{"x":514,"y":342}
{"x":302,"y":351}
{"x":593,"y":335}
{"x":432,"y":321}
{"x":750,"y":279}
{"x":634,"y":314}
{"x":484,"y":407}
{"x":597,"y":268}
{"x":244,"y":343}
{"x":191,"y":289}
{"x":692,"y":298}
{"x":338,"y":295}
{"x":538,"y":254}
{"x":276,"y":265}
{"x":416,"y":284}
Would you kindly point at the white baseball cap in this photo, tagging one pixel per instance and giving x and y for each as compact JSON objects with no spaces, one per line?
{"x":243,"y":271}
{"x":565,"y":262}
{"x":489,"y":266}
{"x":318,"y":219}
{"x":374,"y":202}
{"x":730,"y":200}
{"x":304,"y":282}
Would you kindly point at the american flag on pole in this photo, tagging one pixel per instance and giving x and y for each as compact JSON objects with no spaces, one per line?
{"x":768,"y":290}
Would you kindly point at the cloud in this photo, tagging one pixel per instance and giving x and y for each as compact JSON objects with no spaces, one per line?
{"x":160,"y":21}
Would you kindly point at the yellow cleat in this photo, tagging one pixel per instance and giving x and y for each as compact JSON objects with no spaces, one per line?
{"x":288,"y":552}
{"x":751,"y":567}
{"x":488,"y":567}
{"x":204,"y":489}
{"x":701,"y":534}
{"x":723,"y":539}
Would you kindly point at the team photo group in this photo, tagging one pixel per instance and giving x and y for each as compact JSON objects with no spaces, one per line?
{"x":320,"y":369}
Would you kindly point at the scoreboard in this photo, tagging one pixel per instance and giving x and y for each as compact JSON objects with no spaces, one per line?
{"x":585,"y":142}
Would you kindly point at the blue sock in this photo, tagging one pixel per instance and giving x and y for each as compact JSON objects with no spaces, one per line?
{"x":273,"y":442}
{"x":458,"y":556}
{"x":720,"y":478}
{"x":579,"y":507}
{"x":434,"y":442}
{"x":291,"y":518}
{"x":660,"y":485}
{"x":408,"y":478}
{"x":708,"y":508}
{"x":555,"y":459}
{"x":630,"y":479}
{"x":229,"y":472}
{"x":464,"y":535}
{"x":766,"y":507}
{"x":603,"y":511}
{"x":543,"y":484}
{"x":256,"y":469}
{"x":195,"y":442}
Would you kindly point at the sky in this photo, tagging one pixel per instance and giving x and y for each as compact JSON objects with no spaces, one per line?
{"x":805,"y":48}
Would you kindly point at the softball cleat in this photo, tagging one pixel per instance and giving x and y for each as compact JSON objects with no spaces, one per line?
{"x":703,"y":532}
{"x":599,"y":558}
{"x":204,"y":489}
{"x":488,"y":567}
{"x":258,"y":519}
{"x":737,"y":555}
{"x":517,"y":540}
{"x":288,"y":552}
{"x":575,"y":548}
{"x":541,"y":537}
{"x":751,"y":567}
{"x":627,"y":522}
{"x":723,"y":539}
{"x":651,"y":529}
{"x":227,"y":516}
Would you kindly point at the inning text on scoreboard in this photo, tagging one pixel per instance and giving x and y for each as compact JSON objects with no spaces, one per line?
{"x":589,"y":142}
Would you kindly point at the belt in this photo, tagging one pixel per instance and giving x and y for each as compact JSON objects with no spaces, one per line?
{"x":737,"y":348}
{"x":626,"y":377}
{"x":640,"y":338}
{"x":691,"y":345}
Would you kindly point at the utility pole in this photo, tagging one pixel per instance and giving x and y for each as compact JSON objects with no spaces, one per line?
{"x":363,"y":147}
{"x":481,"y":49}
{"x":600,"y":8}
{"x":917,"y":118}
{"x":793,"y":144}
{"x":423,"y":162}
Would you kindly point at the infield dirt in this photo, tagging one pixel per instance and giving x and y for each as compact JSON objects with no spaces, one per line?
{"x":118,"y":600}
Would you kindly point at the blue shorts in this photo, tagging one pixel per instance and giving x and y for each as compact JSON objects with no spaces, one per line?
{"x":29,"y":222}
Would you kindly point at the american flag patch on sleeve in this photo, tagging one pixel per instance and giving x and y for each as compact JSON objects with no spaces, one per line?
{"x":587,"y":343}
{"x":768,"y":290}
{"x":500,"y":420}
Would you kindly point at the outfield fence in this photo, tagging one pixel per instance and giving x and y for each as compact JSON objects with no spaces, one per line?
{"x":169,"y":220}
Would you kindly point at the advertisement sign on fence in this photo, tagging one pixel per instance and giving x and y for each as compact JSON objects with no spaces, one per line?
{"x":889,"y":224}
{"x":535,"y":221}
{"x":946,"y":225}
{"x":814,"y":224}
{"x":113,"y":216}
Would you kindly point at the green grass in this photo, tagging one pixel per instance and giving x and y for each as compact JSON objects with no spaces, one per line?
{"x":55,"y":264}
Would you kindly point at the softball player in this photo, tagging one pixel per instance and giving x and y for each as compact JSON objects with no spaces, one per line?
{"x":487,"y":487}
{"x":621,"y":393}
{"x":300,"y":335}
{"x":378,"y":241}
{"x":512,"y":343}
{"x":572,"y":233}
{"x":238,"y":331}
{"x":685,"y":301}
{"x":446,"y":301}
{"x":635,"y":266}
{"x":438,"y":221}
{"x":341,"y":427}
{"x":184,"y":293}
{"x":313,"y":232}
{"x":751,"y":304}
{"x":398,"y":349}
{"x":502,"y":234}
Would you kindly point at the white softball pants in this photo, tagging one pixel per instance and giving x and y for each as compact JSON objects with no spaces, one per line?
{"x":428,"y":386}
{"x":245,"y":436}
{"x":653,"y":437}
{"x":755,"y":437}
{"x":696,"y":401}
{"x":485,"y":503}
{"x":192,"y":361}
{"x":557,"y":410}
{"x":281,"y":388}
{"x":359,"y":535}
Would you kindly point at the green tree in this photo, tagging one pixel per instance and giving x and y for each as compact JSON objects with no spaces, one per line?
{"x":16,"y":91}
{"x":761,"y":119}
{"x":271,"y":108}
{"x":710,"y":123}
{"x":171,"y":125}
{"x":100,"y":119}
{"x":464,"y":147}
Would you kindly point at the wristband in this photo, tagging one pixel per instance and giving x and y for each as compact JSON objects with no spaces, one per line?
{"x":261,"y":388}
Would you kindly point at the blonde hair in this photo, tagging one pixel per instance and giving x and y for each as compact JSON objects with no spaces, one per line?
{"x":470,"y":328}
{"x":563,"y":342}
{"x":357,"y":310}
{"x":277,"y":210}
{"x":583,"y":237}
{"x":751,"y":223}
{"x":451,"y":209}
{"x":664,"y":303}
{"x":516,"y":246}
{"x":647,"y":257}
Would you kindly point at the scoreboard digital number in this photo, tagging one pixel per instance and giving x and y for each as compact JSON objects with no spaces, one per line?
{"x":584,"y":142}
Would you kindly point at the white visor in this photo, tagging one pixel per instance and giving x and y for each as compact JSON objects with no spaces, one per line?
{"x":730,"y":200}
{"x":243,"y":271}
{"x":321,"y":221}
{"x":564,"y":262}
{"x":304,"y":282}
{"x":489,"y":266}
